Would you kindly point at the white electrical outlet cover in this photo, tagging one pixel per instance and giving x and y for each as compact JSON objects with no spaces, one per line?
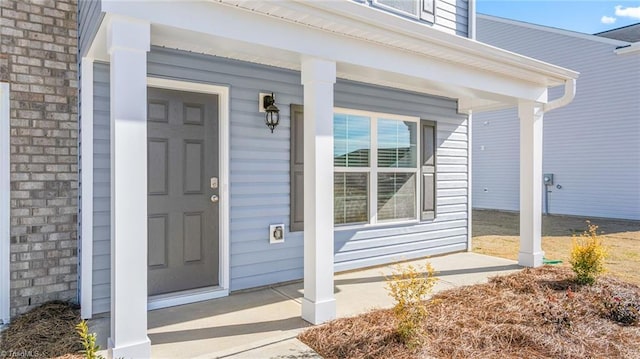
{"x":276,"y":233}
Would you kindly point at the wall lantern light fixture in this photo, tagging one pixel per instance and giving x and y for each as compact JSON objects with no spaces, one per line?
{"x":272,"y":116}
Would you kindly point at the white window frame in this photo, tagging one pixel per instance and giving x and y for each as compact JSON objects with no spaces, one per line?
{"x":417,"y":5}
{"x":426,"y":15}
{"x":420,"y":12}
{"x":373,"y":169}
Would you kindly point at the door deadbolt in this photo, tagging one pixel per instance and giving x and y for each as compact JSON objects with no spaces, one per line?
{"x":214,"y":182}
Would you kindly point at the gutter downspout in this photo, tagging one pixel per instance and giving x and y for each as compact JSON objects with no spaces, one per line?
{"x":567,"y":97}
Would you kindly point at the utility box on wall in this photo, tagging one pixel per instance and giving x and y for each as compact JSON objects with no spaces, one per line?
{"x":276,"y":233}
{"x":547,"y":179}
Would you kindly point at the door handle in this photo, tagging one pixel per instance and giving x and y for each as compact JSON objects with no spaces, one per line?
{"x":214,"y":198}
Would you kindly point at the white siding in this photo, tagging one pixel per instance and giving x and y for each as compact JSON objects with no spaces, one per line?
{"x":496,"y":160}
{"x":592,"y":146}
{"x":452,"y":16}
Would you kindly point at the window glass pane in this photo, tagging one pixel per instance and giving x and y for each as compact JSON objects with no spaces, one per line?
{"x":351,"y":140}
{"x":351,"y":194}
{"x":397,"y":144}
{"x":408,"y":6}
{"x":396,"y":196}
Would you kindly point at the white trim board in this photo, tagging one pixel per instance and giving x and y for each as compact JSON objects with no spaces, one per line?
{"x":469,"y":182}
{"x":86,"y":196}
{"x":185,"y":297}
{"x":223,"y":168}
{"x":5,"y":205}
{"x":631,"y":49}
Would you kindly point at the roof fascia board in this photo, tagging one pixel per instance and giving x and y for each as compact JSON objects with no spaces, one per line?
{"x":631,"y":49}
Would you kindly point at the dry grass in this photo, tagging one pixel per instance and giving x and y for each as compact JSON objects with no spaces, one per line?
{"x":536,"y":313}
{"x":45,"y":332}
{"x":496,"y":233}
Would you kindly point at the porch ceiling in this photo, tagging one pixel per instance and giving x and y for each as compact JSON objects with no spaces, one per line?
{"x":368,"y":45}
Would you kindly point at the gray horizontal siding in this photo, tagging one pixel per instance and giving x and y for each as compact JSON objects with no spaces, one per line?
{"x":89,"y":19}
{"x":101,"y":189}
{"x":591,"y":146}
{"x":453,"y":16}
{"x":496,"y":160}
{"x":356,"y":248}
{"x":259,"y":172}
{"x":259,"y":162}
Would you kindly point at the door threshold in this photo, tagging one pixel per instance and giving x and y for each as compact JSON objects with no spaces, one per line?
{"x":185,"y":297}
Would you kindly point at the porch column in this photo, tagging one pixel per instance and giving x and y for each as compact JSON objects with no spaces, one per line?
{"x":128,"y":42}
{"x":318,"y":77}
{"x":531,"y":115}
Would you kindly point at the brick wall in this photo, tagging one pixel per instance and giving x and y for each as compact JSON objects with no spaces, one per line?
{"x":38,"y":40}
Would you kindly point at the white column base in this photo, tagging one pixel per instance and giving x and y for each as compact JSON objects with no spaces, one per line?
{"x":318,"y":312}
{"x":530,"y":259}
{"x":135,"y":350}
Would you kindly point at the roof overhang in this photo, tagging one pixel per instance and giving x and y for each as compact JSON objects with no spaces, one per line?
{"x":630,"y":49}
{"x":367,"y":44}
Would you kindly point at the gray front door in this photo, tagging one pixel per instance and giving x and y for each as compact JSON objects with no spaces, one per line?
{"x":182,"y":142}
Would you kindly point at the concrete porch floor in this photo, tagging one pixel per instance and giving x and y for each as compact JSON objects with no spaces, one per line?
{"x":264,"y":323}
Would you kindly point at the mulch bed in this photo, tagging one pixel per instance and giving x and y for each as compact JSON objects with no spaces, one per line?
{"x":47,"y":331}
{"x":536,"y":313}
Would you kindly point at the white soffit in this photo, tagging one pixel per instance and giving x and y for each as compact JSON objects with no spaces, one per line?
{"x":344,"y":22}
{"x":373,"y":25}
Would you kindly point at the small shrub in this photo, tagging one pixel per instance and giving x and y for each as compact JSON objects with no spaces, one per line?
{"x":587,"y":255}
{"x":410,"y":288}
{"x":88,"y":341}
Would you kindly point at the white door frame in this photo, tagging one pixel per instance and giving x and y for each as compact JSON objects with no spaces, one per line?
{"x":195,"y":295}
{"x":5,"y":206}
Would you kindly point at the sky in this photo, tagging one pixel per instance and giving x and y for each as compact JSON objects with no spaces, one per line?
{"x":586,"y":16}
